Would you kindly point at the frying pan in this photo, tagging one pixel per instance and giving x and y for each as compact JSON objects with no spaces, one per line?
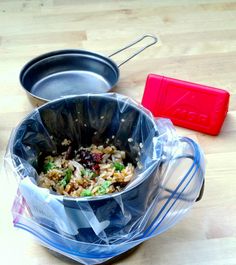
{"x":72,"y":72}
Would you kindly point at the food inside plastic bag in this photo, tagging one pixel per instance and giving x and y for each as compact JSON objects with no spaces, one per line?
{"x":94,"y":229}
{"x":87,"y":171}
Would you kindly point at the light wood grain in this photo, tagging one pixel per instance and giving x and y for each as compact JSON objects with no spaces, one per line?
{"x":197,"y":42}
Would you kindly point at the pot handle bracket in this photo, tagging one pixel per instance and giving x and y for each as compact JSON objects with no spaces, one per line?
{"x":154,"y":40}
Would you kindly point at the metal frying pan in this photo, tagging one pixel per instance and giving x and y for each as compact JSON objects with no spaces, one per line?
{"x":72,"y":72}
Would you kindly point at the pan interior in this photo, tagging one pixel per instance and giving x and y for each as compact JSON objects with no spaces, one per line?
{"x":69,"y":83}
{"x":55,"y":75}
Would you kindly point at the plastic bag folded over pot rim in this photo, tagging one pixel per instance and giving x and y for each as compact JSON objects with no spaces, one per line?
{"x":92,"y":230}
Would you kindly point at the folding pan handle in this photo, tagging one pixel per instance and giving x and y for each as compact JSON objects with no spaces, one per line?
{"x":201,"y":191}
{"x":195,"y":170}
{"x":197,"y":158}
{"x":154,"y":40}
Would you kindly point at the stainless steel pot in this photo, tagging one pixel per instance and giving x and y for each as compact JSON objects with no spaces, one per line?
{"x":72,"y":72}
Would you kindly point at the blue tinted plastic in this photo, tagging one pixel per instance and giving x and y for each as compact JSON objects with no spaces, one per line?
{"x":92,"y":230}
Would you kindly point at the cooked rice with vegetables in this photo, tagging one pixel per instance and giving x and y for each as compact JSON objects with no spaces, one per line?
{"x":91,"y":171}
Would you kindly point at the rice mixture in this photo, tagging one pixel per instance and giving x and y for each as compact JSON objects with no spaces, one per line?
{"x":91,"y":171}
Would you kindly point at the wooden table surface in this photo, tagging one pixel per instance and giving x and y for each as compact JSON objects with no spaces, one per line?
{"x":197,"y":42}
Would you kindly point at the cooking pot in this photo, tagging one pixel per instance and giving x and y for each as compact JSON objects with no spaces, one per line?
{"x":114,"y":217}
{"x":72,"y":72}
{"x":66,"y":118}
{"x":163,"y":190}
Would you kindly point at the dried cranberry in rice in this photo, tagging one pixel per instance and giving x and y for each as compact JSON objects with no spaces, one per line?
{"x":97,"y":157}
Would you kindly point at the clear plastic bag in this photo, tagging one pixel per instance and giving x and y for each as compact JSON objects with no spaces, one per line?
{"x":92,"y":230}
